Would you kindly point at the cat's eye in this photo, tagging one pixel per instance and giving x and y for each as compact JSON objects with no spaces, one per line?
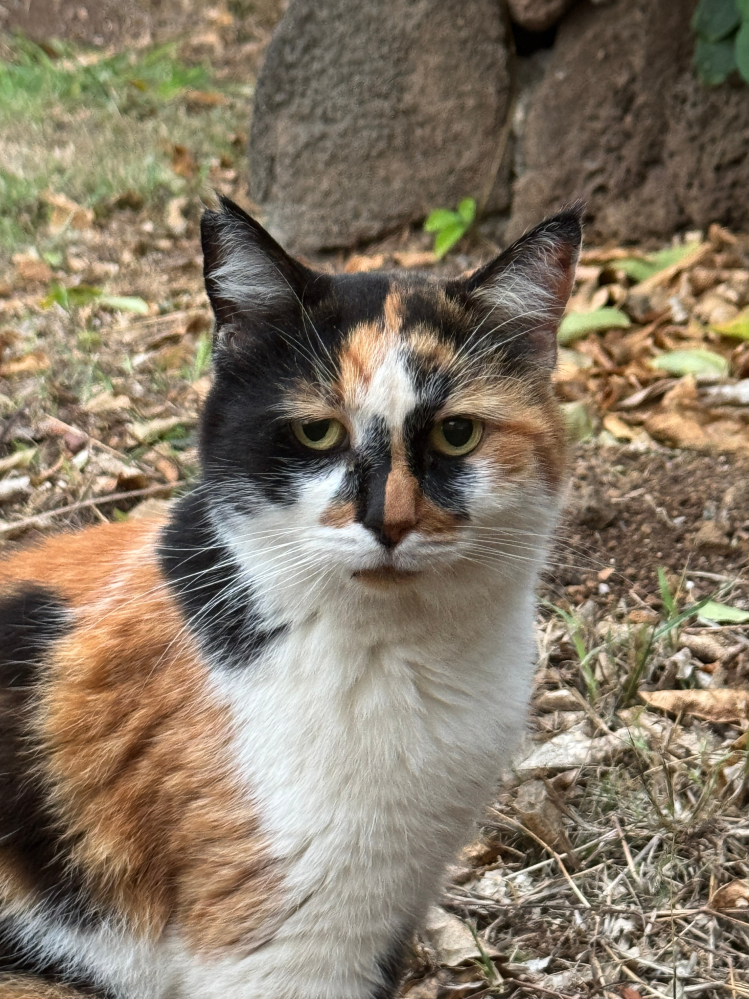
{"x":456,"y":436}
{"x":320,"y":435}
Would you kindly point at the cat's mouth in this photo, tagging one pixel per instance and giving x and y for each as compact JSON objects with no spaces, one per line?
{"x":386,"y":575}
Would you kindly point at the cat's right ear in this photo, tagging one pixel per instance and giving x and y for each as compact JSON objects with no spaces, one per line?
{"x":248,"y":276}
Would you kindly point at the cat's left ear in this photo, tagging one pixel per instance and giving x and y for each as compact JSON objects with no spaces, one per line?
{"x":526,"y":288}
{"x":248,"y":276}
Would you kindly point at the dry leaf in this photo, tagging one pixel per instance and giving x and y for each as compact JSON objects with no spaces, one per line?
{"x":360,"y":262}
{"x":167,"y":468}
{"x":183,"y":162}
{"x":539,"y":814}
{"x":175,"y":220}
{"x":105,"y":402}
{"x":711,"y":538}
{"x":676,"y":430}
{"x":451,"y":939}
{"x":150,"y":508}
{"x":732,"y":896}
{"x":414,"y":258}
{"x":557,"y":700}
{"x":66,"y":212}
{"x":643,"y":615}
{"x":31,"y":269}
{"x":428,"y":989}
{"x":722,"y":705}
{"x":148,"y":433}
{"x":618,"y":428}
{"x":199,"y":99}
{"x":705,"y":647}
{"x":29,"y":364}
{"x":569,"y":750}
{"x":202,"y":387}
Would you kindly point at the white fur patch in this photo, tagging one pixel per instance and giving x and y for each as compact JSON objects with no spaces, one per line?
{"x":246,"y":275}
{"x":369,"y":738}
{"x":390,"y":394}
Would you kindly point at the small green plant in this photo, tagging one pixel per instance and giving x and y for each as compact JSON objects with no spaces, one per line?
{"x":722,"y":30}
{"x":84,"y":294}
{"x":585,"y":656}
{"x":645,"y":642}
{"x":450,"y":226}
{"x":202,"y":360}
{"x":484,"y":962}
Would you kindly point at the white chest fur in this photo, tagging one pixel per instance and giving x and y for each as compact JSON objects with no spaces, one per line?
{"x":369,"y":743}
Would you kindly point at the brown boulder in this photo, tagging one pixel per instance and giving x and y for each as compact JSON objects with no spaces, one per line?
{"x":369,"y":115}
{"x":620,"y":120}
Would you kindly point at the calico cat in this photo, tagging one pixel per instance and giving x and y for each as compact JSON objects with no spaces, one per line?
{"x":238,"y":747}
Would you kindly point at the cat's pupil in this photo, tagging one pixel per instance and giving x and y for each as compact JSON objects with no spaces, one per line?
{"x":457,"y":431}
{"x":316,"y":430}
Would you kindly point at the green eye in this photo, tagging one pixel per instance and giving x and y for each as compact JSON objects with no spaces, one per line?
{"x":320,"y":435}
{"x":456,"y":436}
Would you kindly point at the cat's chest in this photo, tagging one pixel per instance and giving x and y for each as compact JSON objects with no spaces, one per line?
{"x":366,"y":757}
{"x":353,"y":748}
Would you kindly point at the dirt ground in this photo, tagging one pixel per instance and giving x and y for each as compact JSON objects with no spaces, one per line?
{"x":613,"y":861}
{"x":630,"y":509}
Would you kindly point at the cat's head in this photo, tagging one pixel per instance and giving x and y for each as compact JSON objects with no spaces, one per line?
{"x":384,"y":424}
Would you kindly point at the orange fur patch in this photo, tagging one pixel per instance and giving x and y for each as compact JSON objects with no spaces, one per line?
{"x":520,"y":447}
{"x":429,"y":347}
{"x":520,"y":435}
{"x":137,"y":754}
{"x":339,"y":515}
{"x":358,"y":361}
{"x":366,"y":347}
{"x":30,"y":988}
{"x":392,"y":311}
{"x":76,"y":564}
{"x":401,"y":495}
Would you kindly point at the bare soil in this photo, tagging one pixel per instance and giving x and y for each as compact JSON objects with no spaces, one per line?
{"x":631,"y":510}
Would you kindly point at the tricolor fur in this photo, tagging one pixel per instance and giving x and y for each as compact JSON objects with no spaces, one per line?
{"x":237,"y":749}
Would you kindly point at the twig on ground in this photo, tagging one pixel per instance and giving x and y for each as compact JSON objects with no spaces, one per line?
{"x":40,"y":519}
{"x":554,"y":854}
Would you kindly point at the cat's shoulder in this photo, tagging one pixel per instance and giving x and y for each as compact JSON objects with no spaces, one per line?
{"x":72,"y":566}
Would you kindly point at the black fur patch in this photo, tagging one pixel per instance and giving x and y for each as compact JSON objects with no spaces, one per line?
{"x":374,"y":465}
{"x":205,"y":577}
{"x":32,"y":618}
{"x":392,"y":965}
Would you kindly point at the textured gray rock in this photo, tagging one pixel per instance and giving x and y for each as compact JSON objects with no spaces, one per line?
{"x":537,"y":15}
{"x":620,"y":120}
{"x":369,"y":115}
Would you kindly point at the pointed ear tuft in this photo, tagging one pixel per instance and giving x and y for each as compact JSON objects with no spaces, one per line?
{"x":526,"y":288}
{"x":248,"y":276}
